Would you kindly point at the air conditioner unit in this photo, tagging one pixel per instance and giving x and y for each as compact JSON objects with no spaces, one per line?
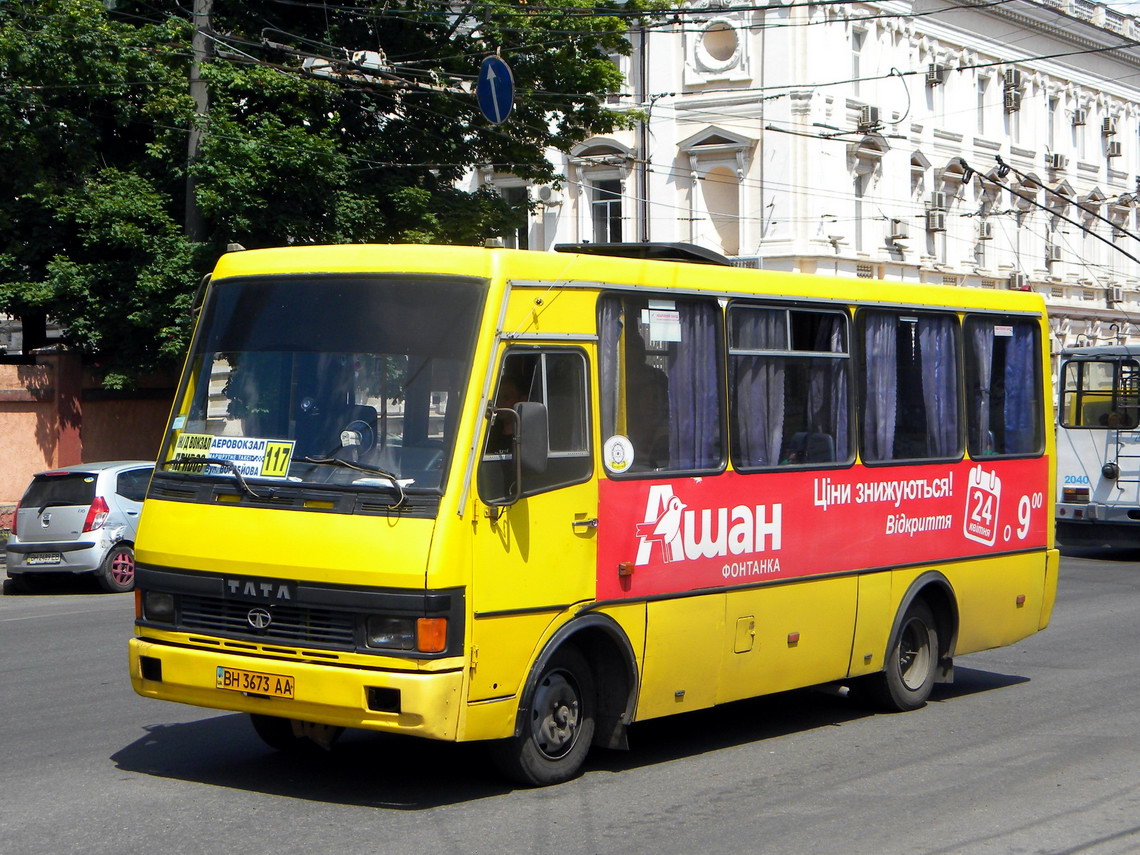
{"x":1114,"y":294}
{"x":935,"y":74}
{"x":1112,"y":149}
{"x":544,"y":194}
{"x":985,"y":230}
{"x":935,"y":221}
{"x":1018,"y":282}
{"x":1011,"y":101}
{"x":938,"y":200}
{"x":1056,"y":161}
{"x":898,"y":230}
{"x":1052,"y":253}
{"x":868,"y":118}
{"x":1012,"y":78}
{"x":1080,"y":116}
{"x":1108,"y":127}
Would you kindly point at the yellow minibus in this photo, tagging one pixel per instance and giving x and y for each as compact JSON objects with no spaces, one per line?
{"x":533,"y":497}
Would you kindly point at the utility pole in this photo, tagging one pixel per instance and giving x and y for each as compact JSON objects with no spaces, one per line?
{"x":200,"y":49}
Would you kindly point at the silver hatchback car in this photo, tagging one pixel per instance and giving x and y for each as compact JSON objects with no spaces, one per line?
{"x":79,"y":519}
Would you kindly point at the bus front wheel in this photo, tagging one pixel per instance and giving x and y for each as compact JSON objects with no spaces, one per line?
{"x":912,"y":661}
{"x":559,"y":726}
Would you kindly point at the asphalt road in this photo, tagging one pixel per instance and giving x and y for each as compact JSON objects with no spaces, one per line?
{"x":1034,"y":749}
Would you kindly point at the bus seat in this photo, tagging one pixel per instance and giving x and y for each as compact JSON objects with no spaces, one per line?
{"x":807,"y":447}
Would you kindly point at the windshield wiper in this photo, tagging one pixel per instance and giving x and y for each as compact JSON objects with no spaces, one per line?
{"x":370,"y":470}
{"x":216,"y":461}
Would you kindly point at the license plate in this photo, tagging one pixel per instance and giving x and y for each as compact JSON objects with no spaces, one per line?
{"x":254,"y":682}
{"x":37,"y":559}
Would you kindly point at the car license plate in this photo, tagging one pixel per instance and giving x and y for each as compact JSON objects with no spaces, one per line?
{"x":37,"y":559}
{"x":254,"y":682}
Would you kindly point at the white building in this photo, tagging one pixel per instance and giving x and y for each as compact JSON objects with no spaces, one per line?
{"x":863,"y":139}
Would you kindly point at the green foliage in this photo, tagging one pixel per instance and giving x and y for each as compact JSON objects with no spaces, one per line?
{"x":95,"y":112}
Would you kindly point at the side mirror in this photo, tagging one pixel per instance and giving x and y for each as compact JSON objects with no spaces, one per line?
{"x":532,"y":438}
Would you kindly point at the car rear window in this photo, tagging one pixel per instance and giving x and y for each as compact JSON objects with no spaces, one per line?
{"x":71,"y":488}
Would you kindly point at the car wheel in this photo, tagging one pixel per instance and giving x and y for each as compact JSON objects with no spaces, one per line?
{"x":559,"y":725}
{"x":117,"y":572}
{"x":911,"y":664}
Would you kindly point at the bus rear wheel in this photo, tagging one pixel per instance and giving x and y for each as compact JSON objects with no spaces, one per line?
{"x":912,"y":661}
{"x":559,"y":725}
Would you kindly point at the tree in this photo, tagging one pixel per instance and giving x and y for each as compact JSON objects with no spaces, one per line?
{"x":305,"y":140}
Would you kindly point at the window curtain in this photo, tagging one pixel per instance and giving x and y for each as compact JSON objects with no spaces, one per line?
{"x":610,"y":327}
{"x":937,"y":343}
{"x":758,"y":386}
{"x":1020,"y":392}
{"x":827,"y":386}
{"x":880,"y":400}
{"x":694,"y":389}
{"x":982,"y":340}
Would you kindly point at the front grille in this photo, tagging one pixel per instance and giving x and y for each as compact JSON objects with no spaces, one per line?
{"x":294,"y":624}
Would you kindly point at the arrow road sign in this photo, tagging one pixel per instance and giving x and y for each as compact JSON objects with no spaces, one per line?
{"x":495,"y":90}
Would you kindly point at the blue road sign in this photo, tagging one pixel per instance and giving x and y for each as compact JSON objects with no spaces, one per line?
{"x":495,"y":90}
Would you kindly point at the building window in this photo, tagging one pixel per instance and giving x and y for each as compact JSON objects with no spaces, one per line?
{"x":983,"y":91}
{"x":519,"y":236}
{"x":858,"y":39}
{"x":605,"y":210}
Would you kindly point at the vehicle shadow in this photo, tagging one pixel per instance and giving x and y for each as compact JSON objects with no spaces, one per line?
{"x":403,"y":773}
{"x":1102,"y":553}
{"x":48,"y":584}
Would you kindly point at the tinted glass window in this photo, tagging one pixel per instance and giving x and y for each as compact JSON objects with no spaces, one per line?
{"x":326,"y":380}
{"x":662,"y":382}
{"x":909,"y":386}
{"x":558,"y":380}
{"x":72,"y":488}
{"x":788,"y":377}
{"x":132,"y":484}
{"x":1004,"y":406}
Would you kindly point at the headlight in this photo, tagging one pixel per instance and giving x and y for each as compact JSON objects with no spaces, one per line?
{"x":158,"y":606}
{"x":393,"y":633}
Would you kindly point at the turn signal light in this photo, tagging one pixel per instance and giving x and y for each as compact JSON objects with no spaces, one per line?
{"x":1074,"y":494}
{"x":431,"y":634}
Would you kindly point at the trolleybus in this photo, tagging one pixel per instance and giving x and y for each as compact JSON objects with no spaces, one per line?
{"x":1098,"y":447}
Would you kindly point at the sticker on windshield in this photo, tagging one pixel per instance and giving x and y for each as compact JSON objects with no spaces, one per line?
{"x":254,"y":457}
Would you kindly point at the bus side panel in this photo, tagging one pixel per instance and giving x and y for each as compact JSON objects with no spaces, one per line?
{"x":502,"y":649}
{"x":999,"y":601}
{"x":788,"y":636}
{"x":872,"y":625}
{"x":683,"y":640}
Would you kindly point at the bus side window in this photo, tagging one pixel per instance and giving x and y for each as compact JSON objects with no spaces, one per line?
{"x":789,"y":386}
{"x":909,"y":400}
{"x":661,"y":381}
{"x":1004,"y":406}
{"x":556,"y":378}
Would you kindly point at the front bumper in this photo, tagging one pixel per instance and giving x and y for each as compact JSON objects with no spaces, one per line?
{"x":429,"y":703}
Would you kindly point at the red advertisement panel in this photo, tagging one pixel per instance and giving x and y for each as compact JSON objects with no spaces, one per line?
{"x":683,"y":534}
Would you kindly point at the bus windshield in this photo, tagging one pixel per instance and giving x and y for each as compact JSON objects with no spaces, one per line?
{"x":347,"y":381}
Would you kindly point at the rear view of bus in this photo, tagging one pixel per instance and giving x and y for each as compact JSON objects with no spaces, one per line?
{"x":1098,"y":447}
